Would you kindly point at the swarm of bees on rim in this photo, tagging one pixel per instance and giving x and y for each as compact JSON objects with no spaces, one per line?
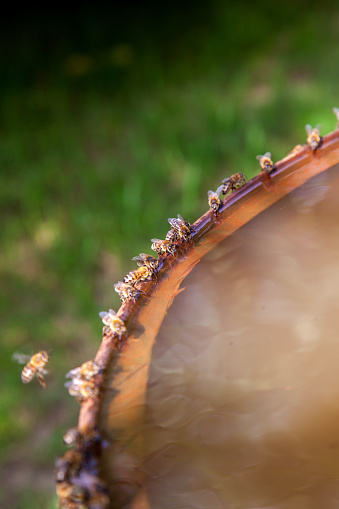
{"x":77,"y":484}
{"x":82,"y":383}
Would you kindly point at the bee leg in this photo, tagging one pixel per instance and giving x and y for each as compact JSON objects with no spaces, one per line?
{"x":41,"y":380}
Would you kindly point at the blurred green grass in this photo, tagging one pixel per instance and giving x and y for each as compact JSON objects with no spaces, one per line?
{"x":111,"y":122}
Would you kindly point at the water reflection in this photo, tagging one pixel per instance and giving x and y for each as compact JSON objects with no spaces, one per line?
{"x":243,"y":393}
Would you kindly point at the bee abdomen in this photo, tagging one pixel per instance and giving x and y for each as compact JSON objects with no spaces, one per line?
{"x":172,"y":236}
{"x":137,"y":276}
{"x":27,"y":374}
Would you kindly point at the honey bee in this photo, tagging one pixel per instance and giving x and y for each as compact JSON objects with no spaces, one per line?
{"x":266,"y":163}
{"x":295,"y":150}
{"x":160,"y":246}
{"x":172,"y":236}
{"x":336,"y":112}
{"x":98,"y":497}
{"x":64,"y":489}
{"x":85,"y":372}
{"x":234,"y":182}
{"x":68,"y":465}
{"x":126,"y":291}
{"x":180,"y":227}
{"x":35,"y":366}
{"x":144,"y":259}
{"x":138,"y":275}
{"x":82,"y":389}
{"x":313,"y":136}
{"x":72,"y":496}
{"x":214,"y":201}
{"x":115,"y":323}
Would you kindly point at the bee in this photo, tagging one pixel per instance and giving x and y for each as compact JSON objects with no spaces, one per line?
{"x":181,"y":227}
{"x":336,"y":112}
{"x":64,"y":489}
{"x":138,"y":275}
{"x":82,"y":389}
{"x":71,"y":495}
{"x":234,"y":182}
{"x":214,"y":201}
{"x":72,"y":437}
{"x":35,"y":366}
{"x":68,"y":465}
{"x":98,"y":498}
{"x":126,"y":291}
{"x":313,"y":136}
{"x":144,"y":259}
{"x":295,"y":150}
{"x":172,"y":236}
{"x":79,"y":494}
{"x":266,"y":163}
{"x":115,"y":323}
{"x":160,"y":246}
{"x":85,"y":372}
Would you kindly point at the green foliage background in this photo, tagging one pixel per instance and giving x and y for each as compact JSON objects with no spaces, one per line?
{"x":113,"y":119}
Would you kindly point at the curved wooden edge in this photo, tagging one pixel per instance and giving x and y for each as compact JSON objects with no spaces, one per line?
{"x":129,"y":358}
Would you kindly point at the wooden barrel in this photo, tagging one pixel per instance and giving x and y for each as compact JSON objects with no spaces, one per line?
{"x":224,"y":391}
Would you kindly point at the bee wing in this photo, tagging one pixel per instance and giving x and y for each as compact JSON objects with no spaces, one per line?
{"x":220,"y":188}
{"x":181,"y":219}
{"x":173,"y":222}
{"x":156,"y":240}
{"x":20,"y":358}
{"x":226,"y":180}
{"x":72,"y":373}
{"x":102,"y":314}
{"x":308,"y":128}
{"x":268,"y":154}
{"x":139,"y":258}
{"x":336,"y":112}
{"x":112,"y":312}
{"x":210,"y":193}
{"x":259,"y":157}
{"x":318,"y":126}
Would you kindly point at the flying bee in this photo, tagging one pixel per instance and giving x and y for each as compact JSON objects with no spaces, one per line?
{"x":336,"y":112}
{"x":138,"y":275}
{"x":160,"y":246}
{"x":266,"y":163}
{"x":313,"y":136}
{"x":82,"y":389}
{"x":181,"y":227}
{"x":115,"y":323}
{"x":144,"y":259}
{"x":126,"y":291}
{"x":214,"y":201}
{"x":85,"y":372}
{"x":35,"y":366}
